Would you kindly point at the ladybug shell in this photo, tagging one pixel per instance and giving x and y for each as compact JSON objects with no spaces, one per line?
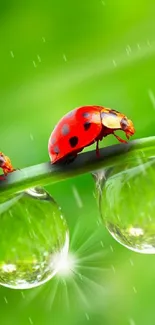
{"x":77,"y":129}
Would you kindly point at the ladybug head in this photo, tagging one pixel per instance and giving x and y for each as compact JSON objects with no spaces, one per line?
{"x":127,"y":126}
{"x":117,"y":121}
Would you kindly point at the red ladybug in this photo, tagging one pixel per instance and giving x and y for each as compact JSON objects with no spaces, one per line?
{"x":6,"y":165}
{"x":83,"y":126}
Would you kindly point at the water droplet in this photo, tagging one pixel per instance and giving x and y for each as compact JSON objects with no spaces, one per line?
{"x":31,"y":239}
{"x":127,"y":204}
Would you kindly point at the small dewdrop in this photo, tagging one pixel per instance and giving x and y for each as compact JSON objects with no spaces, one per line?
{"x":43,"y":39}
{"x":138,"y":46}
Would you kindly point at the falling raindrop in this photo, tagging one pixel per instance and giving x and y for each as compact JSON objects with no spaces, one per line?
{"x":34,"y":64}
{"x":31,"y":137}
{"x":77,"y":197}
{"x":134,"y":289}
{"x":6,"y":300}
{"x":64,"y":57}
{"x":30,"y":320}
{"x":39,"y":58}
{"x":152,"y":97}
{"x":114,"y":63}
{"x":87,"y":316}
{"x":34,"y":238}
{"x":127,"y":204}
{"x":12,"y":54}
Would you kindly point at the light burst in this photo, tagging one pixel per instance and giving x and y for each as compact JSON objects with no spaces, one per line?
{"x":80,"y":275}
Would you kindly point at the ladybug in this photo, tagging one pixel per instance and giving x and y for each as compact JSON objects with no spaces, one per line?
{"x":82,"y":127}
{"x":5,"y":164}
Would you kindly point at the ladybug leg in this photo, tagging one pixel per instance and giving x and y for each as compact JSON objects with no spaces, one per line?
{"x":119,"y":139}
{"x":97,"y":149}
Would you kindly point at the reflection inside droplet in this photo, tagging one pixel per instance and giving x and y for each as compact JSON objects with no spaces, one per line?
{"x":32,"y":231}
{"x":126,"y":195}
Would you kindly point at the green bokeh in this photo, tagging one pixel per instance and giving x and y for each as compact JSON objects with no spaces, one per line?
{"x":57,"y":55}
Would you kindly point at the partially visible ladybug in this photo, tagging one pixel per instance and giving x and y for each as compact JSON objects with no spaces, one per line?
{"x":5,"y":164}
{"x":83,"y":126}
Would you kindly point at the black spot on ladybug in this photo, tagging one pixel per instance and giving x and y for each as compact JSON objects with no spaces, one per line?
{"x":73,"y":141}
{"x":56,"y":149}
{"x":87,"y":125}
{"x":124,"y":123}
{"x":65,"y":129}
{"x":86,"y":114}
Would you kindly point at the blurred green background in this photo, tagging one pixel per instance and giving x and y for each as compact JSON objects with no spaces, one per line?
{"x":57,"y":55}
